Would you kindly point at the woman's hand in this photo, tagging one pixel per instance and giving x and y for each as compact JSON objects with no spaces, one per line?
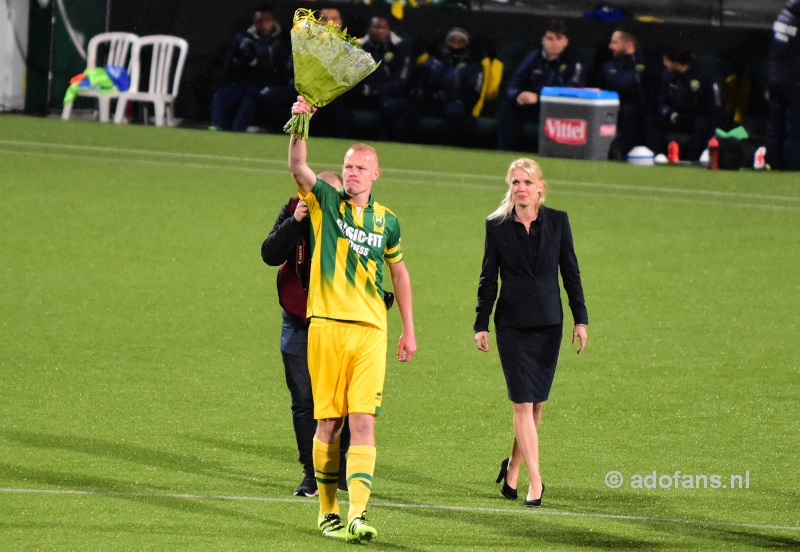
{"x":482,"y":341}
{"x":580,"y":333}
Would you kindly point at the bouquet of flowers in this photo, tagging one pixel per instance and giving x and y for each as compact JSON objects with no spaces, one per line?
{"x":327,"y":63}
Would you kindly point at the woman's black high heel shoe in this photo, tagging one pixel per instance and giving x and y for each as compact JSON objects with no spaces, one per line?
{"x":505,"y":490}
{"x":536,"y":502}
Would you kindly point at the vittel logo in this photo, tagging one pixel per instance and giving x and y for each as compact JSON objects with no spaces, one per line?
{"x":566,"y":131}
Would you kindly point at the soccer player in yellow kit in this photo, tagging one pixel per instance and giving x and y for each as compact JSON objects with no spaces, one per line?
{"x":351,"y":237}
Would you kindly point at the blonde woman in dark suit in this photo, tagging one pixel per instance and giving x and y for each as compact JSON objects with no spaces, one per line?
{"x":527,"y":244}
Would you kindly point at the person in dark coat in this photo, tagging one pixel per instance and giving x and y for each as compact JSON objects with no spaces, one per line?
{"x":689,"y":101}
{"x":527,"y":244}
{"x":385,"y":90}
{"x":287,"y":246}
{"x":256,"y":77}
{"x":637,"y":83}
{"x":783,"y":125}
{"x":554,"y":64}
{"x":449,"y":84}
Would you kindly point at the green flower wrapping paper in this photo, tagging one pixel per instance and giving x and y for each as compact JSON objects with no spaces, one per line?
{"x":327,"y":63}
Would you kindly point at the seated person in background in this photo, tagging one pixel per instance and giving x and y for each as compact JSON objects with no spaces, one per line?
{"x":257,"y":74}
{"x":385,"y":90}
{"x":637,"y":84}
{"x":449,"y":84}
{"x":331,"y":15}
{"x":689,"y":101}
{"x":554,"y":64}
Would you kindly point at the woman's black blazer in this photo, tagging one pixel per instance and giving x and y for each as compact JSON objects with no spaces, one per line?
{"x":529,"y":295}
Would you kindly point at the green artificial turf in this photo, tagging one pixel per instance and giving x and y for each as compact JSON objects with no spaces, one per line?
{"x":142,"y":397}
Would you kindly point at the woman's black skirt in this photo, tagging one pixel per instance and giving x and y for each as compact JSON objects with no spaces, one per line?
{"x":529,"y":357}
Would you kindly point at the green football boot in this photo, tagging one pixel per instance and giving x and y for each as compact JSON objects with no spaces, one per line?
{"x":331,"y":526}
{"x":358,"y":530}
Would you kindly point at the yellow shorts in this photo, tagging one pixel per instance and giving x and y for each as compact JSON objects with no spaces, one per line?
{"x":347,"y":363}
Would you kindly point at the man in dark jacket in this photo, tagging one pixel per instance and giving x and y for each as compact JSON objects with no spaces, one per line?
{"x":554,"y":64}
{"x":637,"y":84}
{"x":783,"y":129}
{"x":689,"y":101}
{"x":385,"y":90}
{"x":257,"y":75}
{"x":449,"y":84}
{"x":288,"y":246}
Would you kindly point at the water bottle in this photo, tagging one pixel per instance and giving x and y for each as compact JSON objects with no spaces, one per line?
{"x":713,"y":153}
{"x":759,"y":159}
{"x":673,"y":152}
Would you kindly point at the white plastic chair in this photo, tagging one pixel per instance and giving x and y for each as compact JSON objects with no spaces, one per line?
{"x":119,"y":49}
{"x":167,"y":55}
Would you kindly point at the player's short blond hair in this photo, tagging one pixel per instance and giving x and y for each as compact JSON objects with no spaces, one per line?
{"x":364,"y":147}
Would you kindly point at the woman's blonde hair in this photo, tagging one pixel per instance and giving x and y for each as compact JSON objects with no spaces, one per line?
{"x":533,"y":170}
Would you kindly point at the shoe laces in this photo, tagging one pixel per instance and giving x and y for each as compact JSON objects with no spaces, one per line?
{"x":358,"y":520}
{"x":331,"y":522}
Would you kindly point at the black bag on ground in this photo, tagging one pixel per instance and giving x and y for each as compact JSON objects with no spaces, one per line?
{"x":735,"y":154}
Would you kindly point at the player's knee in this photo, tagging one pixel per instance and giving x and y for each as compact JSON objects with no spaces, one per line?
{"x":329,"y":429}
{"x":362,"y":426}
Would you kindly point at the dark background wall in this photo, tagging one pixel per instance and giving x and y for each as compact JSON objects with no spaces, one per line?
{"x":728,"y":13}
{"x":66,"y":61}
{"x":209,"y":26}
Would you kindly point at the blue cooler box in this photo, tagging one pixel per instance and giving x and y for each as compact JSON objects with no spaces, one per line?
{"x":577,"y":123}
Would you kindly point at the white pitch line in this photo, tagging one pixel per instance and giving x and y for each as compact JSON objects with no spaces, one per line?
{"x":548,"y":512}
{"x":200,"y":166}
{"x":687,"y":200}
{"x":629,"y":187}
{"x":128,"y":151}
{"x":582,"y":187}
{"x":443,"y":173}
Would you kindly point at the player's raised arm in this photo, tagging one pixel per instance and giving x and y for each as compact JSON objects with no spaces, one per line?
{"x":298,"y":152}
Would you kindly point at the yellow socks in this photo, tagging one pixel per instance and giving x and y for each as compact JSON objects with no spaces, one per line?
{"x":326,"y":467}
{"x":360,"y":467}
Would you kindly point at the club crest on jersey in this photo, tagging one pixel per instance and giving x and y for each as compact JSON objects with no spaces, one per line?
{"x":379,"y":222}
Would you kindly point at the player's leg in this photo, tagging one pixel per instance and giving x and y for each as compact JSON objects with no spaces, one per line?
{"x":326,"y":468}
{"x":326,"y":362}
{"x":364,"y":396}
{"x":360,"y":471}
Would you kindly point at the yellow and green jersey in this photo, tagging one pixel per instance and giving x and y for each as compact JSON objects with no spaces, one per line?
{"x":348,"y":249}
